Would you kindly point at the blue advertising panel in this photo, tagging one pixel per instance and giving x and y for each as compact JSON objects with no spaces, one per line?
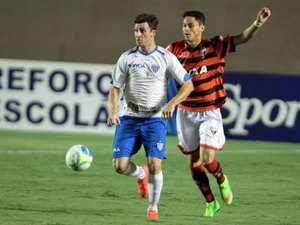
{"x":260,"y":107}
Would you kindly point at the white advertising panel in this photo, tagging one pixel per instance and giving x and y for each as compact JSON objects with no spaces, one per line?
{"x":54,"y":96}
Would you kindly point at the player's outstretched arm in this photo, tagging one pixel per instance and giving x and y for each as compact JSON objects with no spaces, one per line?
{"x":248,"y":33}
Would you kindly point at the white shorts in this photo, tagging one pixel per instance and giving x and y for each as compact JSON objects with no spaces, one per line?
{"x":200,"y":128}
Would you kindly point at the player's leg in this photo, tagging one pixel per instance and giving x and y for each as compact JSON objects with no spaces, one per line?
{"x":199,"y":176}
{"x":154,"y":140}
{"x":212,"y":205}
{"x":213,"y":139}
{"x":201,"y":180}
{"x":127,"y":143}
{"x":188,"y":124}
{"x":124,"y":166}
{"x":214,"y":167}
{"x":155,"y":187}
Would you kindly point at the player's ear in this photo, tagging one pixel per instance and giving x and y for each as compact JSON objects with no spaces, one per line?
{"x":202,"y":27}
{"x":153,"y":33}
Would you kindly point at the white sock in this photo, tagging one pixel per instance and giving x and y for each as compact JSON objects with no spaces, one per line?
{"x":155,"y":188}
{"x":134,"y":170}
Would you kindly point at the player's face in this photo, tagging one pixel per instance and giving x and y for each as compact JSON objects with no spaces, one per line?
{"x":192,"y":30}
{"x":144,"y":35}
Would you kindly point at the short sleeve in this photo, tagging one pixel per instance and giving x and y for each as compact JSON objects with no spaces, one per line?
{"x":119,"y":72}
{"x":177,"y":70}
{"x":223,"y":46}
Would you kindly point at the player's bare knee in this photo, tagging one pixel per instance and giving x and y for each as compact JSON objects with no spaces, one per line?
{"x":194,"y":164}
{"x":195,"y":160}
{"x":154,"y":168}
{"x":207,"y":161}
{"x":117,"y":166}
{"x":120,"y":170}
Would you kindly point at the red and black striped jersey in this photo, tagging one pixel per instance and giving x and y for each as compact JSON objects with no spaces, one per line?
{"x":206,"y":64}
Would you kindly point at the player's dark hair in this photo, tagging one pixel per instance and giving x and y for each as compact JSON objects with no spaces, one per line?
{"x":147,"y":18}
{"x":199,"y":16}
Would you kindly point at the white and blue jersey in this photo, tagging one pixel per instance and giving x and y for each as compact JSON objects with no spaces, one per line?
{"x":143,"y":79}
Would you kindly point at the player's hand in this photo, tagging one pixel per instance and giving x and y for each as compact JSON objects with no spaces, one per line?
{"x":113,"y":119}
{"x":167,"y":111}
{"x":263,"y":15}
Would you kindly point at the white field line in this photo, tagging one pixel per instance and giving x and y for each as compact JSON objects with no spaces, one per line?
{"x":252,"y":151}
{"x":256,"y":151}
{"x":234,"y":151}
{"x":31,"y":152}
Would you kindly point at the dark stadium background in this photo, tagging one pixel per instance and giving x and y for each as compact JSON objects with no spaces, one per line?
{"x":98,"y":31}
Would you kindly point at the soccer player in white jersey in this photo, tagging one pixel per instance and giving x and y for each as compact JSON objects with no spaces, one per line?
{"x":143,"y":74}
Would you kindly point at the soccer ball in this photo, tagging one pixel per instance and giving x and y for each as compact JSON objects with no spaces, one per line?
{"x":79,"y":158}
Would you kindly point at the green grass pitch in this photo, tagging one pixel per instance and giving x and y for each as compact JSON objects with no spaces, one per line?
{"x":36,"y":187}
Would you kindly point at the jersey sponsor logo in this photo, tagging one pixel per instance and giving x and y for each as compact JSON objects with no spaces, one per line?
{"x":139,"y":108}
{"x":199,"y":71}
{"x":136,"y":65}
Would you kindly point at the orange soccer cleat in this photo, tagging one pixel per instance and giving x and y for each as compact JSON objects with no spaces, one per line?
{"x":152,"y":214}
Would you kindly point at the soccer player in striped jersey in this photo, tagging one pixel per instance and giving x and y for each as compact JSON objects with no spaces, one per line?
{"x":199,"y":121}
{"x":140,"y":74}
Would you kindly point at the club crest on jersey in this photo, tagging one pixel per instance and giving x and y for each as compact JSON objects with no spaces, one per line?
{"x":155,"y":68}
{"x":160,"y":146}
{"x":203,"y":52}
